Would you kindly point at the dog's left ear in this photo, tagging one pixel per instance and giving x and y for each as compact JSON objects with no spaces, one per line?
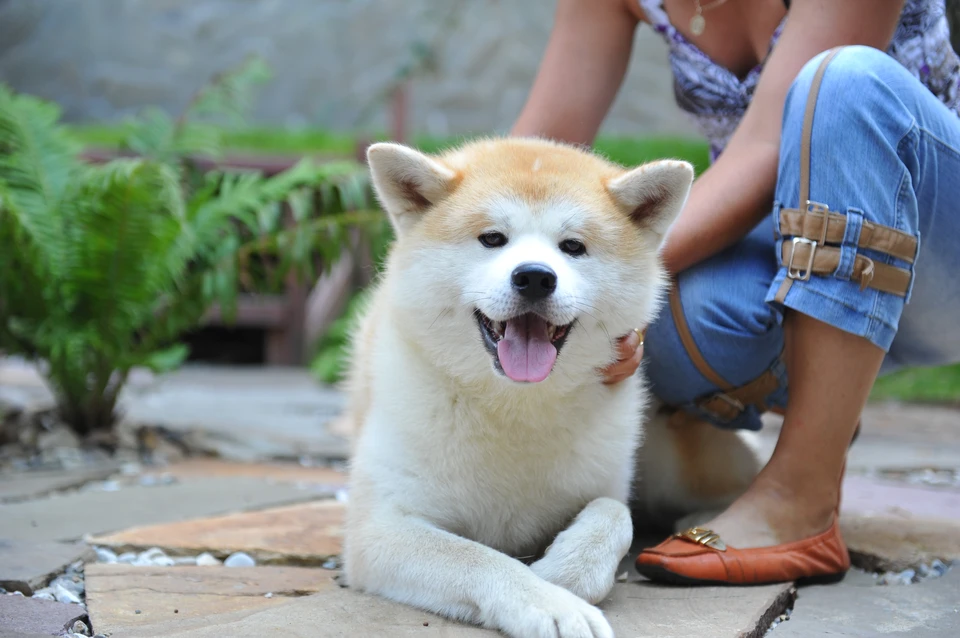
{"x":654,"y":193}
{"x":407,"y":182}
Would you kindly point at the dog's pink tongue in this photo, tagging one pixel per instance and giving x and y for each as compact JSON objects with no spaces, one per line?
{"x":525,"y":351}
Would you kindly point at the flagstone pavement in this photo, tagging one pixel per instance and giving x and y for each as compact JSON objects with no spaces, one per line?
{"x":246,"y":541}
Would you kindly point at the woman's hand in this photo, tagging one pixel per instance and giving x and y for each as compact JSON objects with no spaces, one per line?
{"x":629,"y":354}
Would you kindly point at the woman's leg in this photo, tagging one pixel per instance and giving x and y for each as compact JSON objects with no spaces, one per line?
{"x":883,"y":150}
{"x":884,"y":153}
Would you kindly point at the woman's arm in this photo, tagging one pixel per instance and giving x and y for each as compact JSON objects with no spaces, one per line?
{"x":734,"y":194}
{"x":582,"y":70}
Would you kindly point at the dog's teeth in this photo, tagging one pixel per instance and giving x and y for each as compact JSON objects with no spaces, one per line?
{"x":498,"y":327}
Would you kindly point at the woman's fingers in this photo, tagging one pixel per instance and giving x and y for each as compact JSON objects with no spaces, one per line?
{"x":630,"y":353}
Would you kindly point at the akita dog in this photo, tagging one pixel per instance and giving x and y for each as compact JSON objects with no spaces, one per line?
{"x":492,"y":466}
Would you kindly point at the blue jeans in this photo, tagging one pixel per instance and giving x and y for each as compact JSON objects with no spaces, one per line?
{"x":883,"y":149}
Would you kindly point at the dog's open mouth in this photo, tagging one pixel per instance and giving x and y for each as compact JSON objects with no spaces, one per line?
{"x":525,"y":347}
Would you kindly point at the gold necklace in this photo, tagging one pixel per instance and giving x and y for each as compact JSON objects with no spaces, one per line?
{"x":697,"y":22}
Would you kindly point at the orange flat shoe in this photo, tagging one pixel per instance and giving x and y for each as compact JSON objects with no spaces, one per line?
{"x":698,"y":556}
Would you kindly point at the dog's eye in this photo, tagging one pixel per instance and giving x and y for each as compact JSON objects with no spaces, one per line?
{"x":493,"y":240}
{"x":573,"y":247}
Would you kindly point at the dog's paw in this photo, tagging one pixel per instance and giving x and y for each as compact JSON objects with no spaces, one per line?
{"x":591,"y":582}
{"x":552,"y":612}
{"x":583,"y":559}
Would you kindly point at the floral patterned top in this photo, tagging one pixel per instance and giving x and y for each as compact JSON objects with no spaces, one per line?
{"x":716,"y":98}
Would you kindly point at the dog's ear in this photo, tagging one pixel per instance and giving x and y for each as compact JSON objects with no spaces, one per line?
{"x":407,"y":182}
{"x":654,"y":193}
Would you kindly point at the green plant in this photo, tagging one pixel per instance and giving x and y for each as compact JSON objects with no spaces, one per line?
{"x":104,"y":267}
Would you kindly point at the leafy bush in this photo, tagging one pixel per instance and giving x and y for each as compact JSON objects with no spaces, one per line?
{"x":104,"y":267}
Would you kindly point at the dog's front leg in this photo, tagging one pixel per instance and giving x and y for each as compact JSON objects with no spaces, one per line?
{"x":409,"y":560}
{"x":584,"y":557}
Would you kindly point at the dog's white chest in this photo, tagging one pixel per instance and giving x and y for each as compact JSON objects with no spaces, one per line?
{"x":514,"y":484}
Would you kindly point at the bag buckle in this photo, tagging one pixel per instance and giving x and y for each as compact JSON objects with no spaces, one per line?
{"x":801,"y":274}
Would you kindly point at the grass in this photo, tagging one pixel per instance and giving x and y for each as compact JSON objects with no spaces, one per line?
{"x":933,"y":385}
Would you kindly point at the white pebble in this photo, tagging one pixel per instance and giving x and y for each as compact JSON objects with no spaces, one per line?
{"x":239,"y":559}
{"x":46,"y":593}
{"x":154,"y":557}
{"x":127,"y":557}
{"x":64,"y":595}
{"x":81,"y":628}
{"x":67,"y":583}
{"x":105,"y":555}
{"x":207,"y":559}
{"x":269,"y":594}
{"x":130,"y":469}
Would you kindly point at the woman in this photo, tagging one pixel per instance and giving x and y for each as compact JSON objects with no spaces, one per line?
{"x":872,"y":289}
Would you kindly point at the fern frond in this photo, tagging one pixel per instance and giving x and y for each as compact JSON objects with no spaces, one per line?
{"x":229,"y":96}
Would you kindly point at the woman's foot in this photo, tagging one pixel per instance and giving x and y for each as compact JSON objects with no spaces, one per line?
{"x":759,"y":517}
{"x":784,"y":527}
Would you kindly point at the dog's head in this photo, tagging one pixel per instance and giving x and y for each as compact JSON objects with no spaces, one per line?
{"x":525,"y":254}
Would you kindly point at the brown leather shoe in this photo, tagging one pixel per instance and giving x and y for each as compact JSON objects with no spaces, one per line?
{"x":698,"y":556}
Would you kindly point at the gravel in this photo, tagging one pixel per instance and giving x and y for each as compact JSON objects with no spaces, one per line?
{"x":936,"y":569}
{"x":156,"y":557}
{"x":65,"y":588}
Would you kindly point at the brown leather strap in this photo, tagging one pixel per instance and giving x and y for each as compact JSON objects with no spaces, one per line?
{"x":676,"y":308}
{"x":803,"y":259}
{"x":806,"y":134}
{"x":808,"y":126}
{"x":730,"y":401}
{"x":729,"y":404}
{"x":797,"y":223}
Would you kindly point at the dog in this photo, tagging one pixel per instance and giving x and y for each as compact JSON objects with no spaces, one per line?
{"x":493,"y":469}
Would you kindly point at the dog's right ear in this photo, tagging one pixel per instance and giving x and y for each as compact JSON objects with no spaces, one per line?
{"x":407,"y":182}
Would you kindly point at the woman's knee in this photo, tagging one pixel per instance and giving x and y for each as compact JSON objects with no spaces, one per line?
{"x":860,"y":87}
{"x":720,"y":306}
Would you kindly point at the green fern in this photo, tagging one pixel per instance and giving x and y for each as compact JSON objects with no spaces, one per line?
{"x":104,"y":267}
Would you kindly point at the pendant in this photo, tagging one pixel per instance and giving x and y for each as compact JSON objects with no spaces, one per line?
{"x":697,"y":24}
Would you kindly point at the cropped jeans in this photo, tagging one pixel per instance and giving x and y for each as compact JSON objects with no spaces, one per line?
{"x":883,"y":149}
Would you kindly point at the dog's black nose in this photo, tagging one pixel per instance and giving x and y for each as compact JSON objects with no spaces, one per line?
{"x":533,"y":280}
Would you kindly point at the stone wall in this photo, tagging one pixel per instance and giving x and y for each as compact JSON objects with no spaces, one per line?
{"x":333,"y":60}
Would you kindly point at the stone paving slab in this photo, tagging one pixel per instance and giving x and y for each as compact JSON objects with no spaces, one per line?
{"x":246,"y":414}
{"x":306,"y":534}
{"x":274,"y":472}
{"x":26,"y":566}
{"x":26,"y":485}
{"x":38,"y":616}
{"x":242,"y":413}
{"x":859,"y":607}
{"x":71,"y":516}
{"x":124,"y":596}
{"x":891,"y":526}
{"x":888,"y":544}
{"x":633,"y":610}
